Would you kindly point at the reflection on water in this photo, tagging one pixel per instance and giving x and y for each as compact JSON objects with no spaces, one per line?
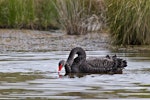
{"x":34,"y":76}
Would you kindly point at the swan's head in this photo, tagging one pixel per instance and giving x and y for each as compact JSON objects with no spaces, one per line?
{"x":61,"y":64}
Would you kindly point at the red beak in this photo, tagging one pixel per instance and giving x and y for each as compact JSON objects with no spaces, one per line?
{"x":60,"y":68}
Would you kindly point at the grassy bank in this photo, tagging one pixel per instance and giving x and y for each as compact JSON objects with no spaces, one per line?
{"x":127,"y":20}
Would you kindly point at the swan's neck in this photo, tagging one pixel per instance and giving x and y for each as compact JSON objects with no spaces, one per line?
{"x":77,"y":50}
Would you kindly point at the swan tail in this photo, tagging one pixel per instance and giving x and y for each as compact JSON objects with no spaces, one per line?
{"x":119,"y":63}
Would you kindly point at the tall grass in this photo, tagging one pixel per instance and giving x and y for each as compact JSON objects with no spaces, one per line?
{"x":35,"y":14}
{"x":129,"y":21}
{"x":79,"y":16}
{"x":46,"y":14}
{"x":76,"y":16}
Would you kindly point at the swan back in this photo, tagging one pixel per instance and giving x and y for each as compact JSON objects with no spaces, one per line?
{"x":99,"y":65}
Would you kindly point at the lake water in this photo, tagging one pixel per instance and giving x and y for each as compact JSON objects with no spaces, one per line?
{"x":33,"y":76}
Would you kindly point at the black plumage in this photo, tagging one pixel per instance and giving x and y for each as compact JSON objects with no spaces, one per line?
{"x":102,"y":65}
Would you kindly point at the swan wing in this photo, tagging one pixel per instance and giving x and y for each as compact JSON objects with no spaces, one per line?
{"x":100,"y":63}
{"x":97,"y":66}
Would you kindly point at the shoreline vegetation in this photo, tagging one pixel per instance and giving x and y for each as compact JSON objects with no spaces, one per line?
{"x":127,"y":22}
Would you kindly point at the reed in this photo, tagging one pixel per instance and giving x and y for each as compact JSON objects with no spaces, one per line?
{"x":46,"y":14}
{"x":129,"y":21}
{"x":76,"y":16}
{"x":34,"y":14}
{"x":79,"y":16}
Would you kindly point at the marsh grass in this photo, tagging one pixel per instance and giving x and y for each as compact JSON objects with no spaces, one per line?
{"x":34,"y":14}
{"x":46,"y":14}
{"x":75,"y":16}
{"x":129,"y":21}
{"x":79,"y":16}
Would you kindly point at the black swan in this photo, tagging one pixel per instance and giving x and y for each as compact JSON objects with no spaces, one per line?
{"x":103,"y":65}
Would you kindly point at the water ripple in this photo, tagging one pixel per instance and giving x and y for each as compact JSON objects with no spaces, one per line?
{"x":34,"y":76}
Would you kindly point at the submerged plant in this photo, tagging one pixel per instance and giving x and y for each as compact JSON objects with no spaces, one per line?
{"x":129,"y":21}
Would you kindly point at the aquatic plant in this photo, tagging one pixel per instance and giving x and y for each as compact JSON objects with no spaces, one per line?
{"x":129,"y":21}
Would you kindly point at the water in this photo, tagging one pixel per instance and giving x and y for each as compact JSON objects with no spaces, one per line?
{"x":33,"y":76}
